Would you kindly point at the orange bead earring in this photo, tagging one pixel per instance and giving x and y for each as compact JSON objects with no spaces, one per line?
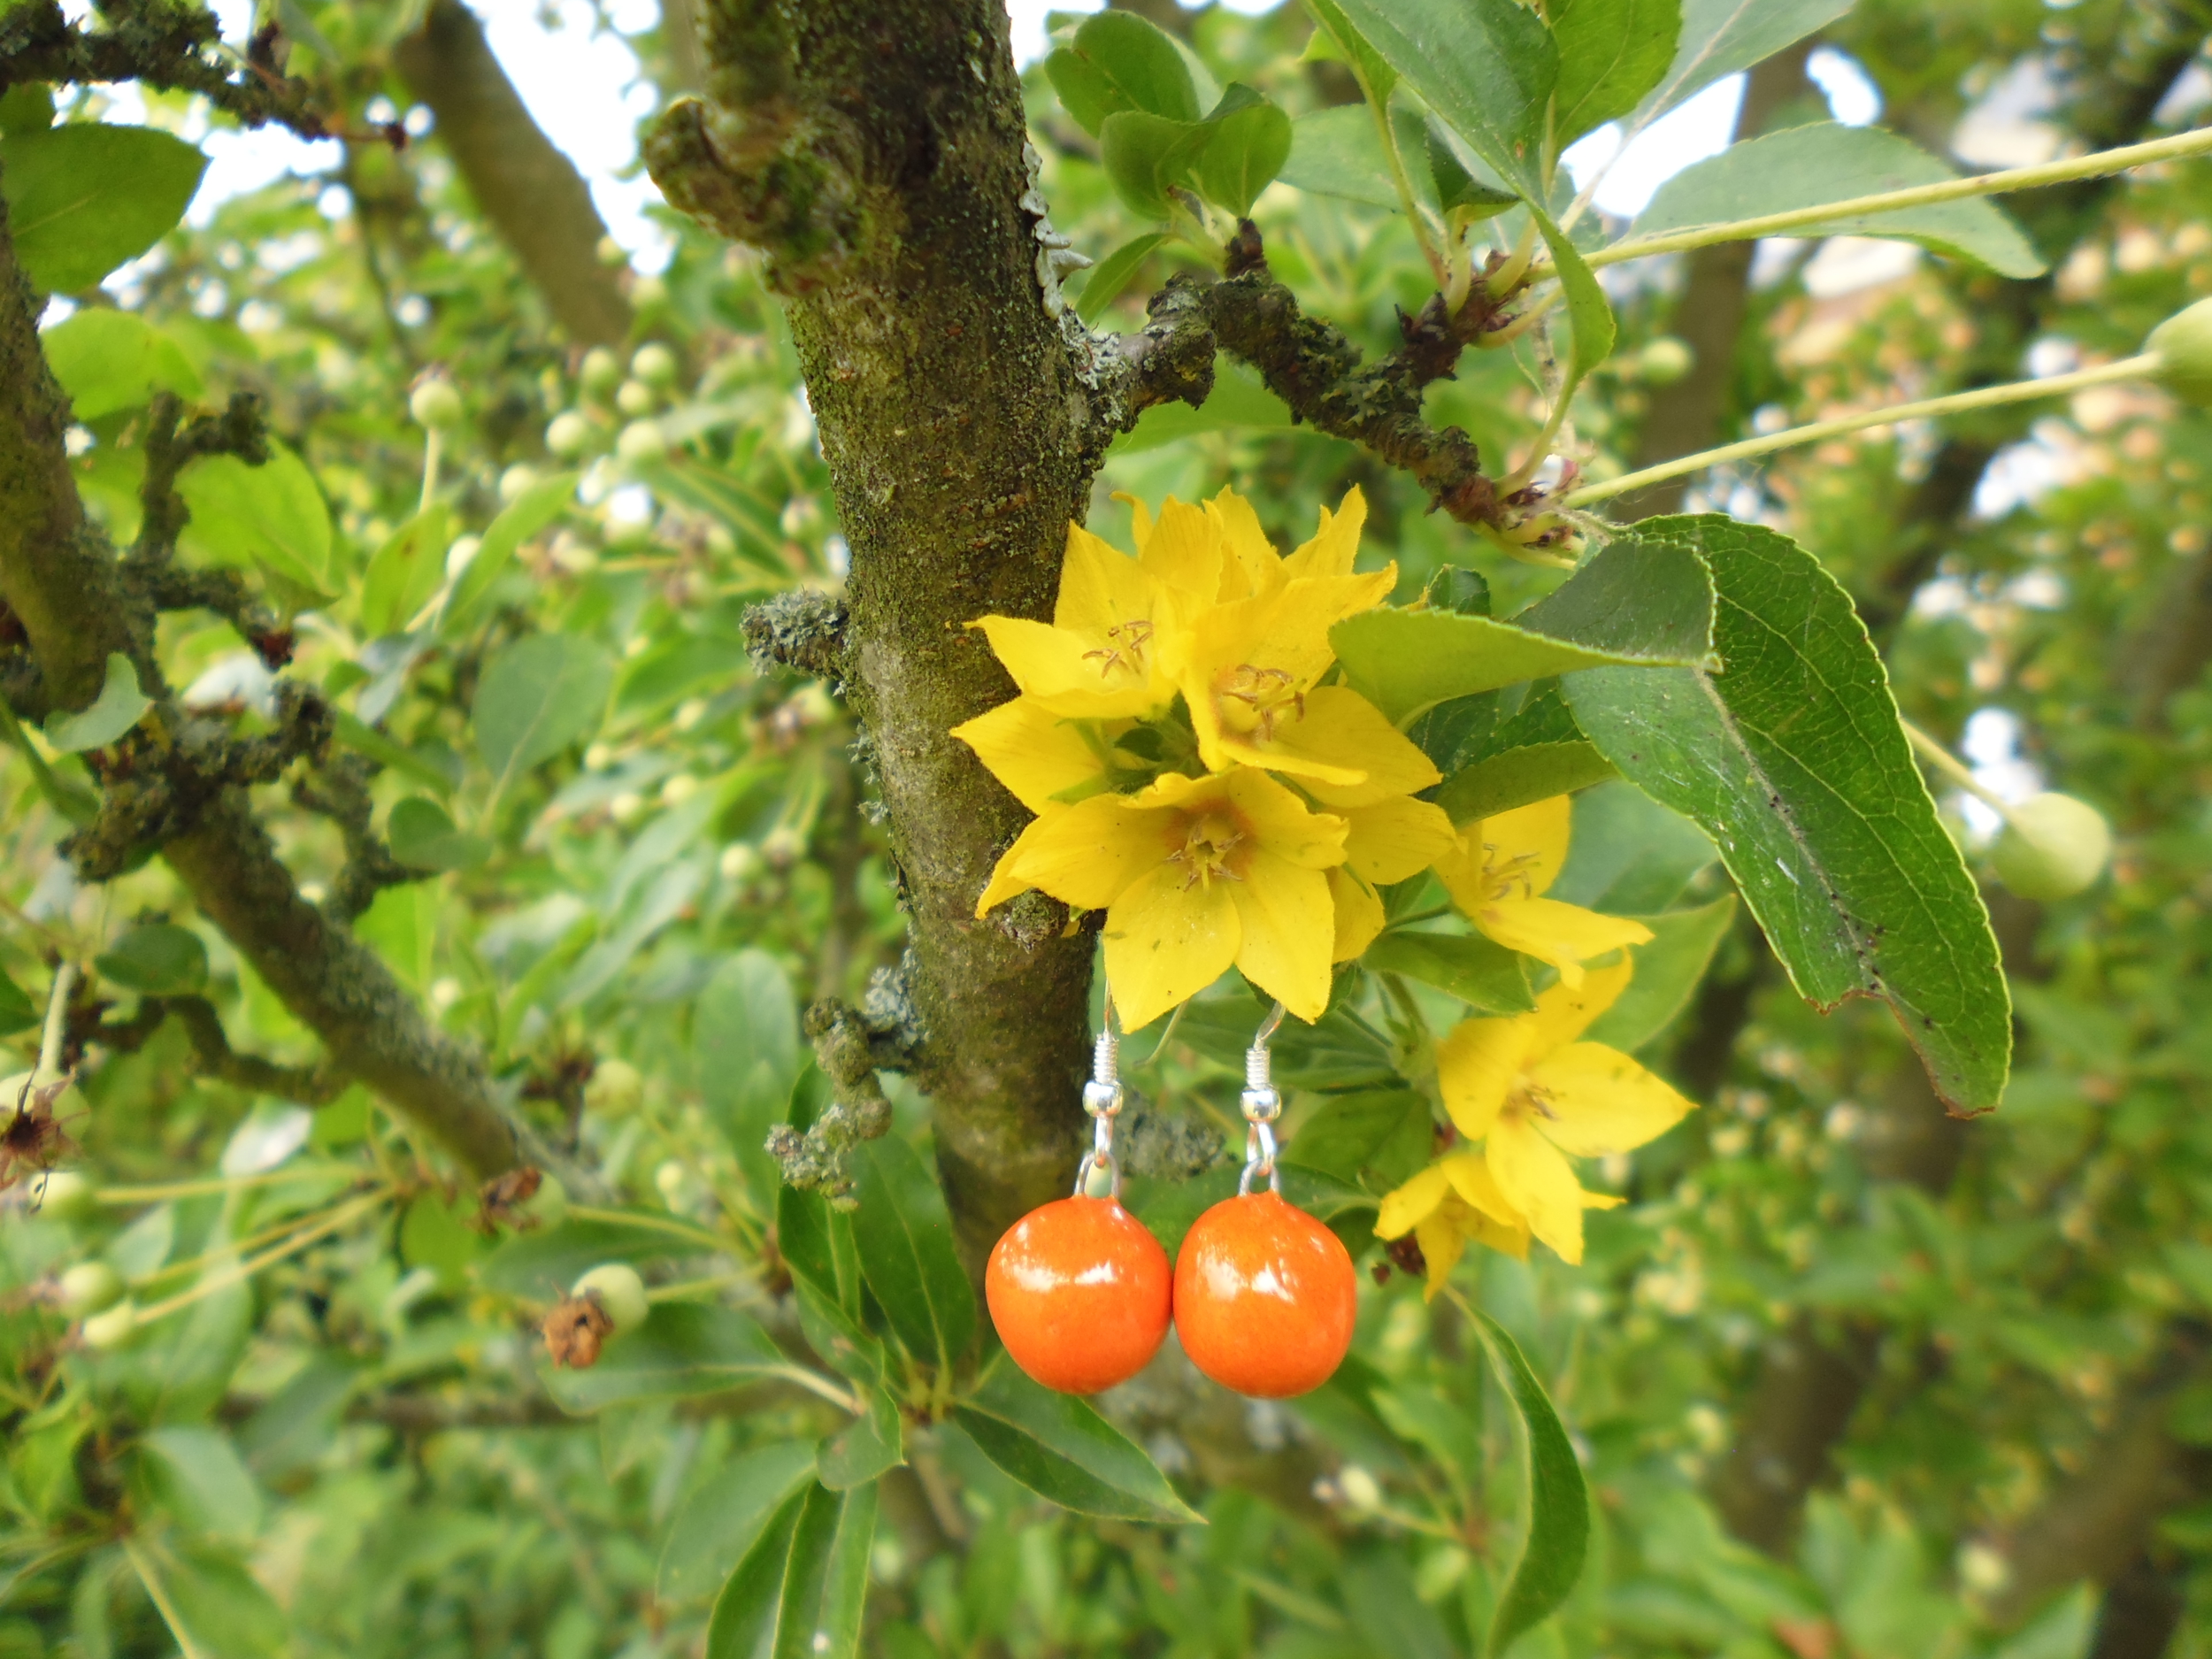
{"x":1079,"y":1288}
{"x":1264,"y":1294}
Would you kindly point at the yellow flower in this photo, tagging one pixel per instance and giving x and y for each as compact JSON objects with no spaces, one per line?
{"x":1454,"y":1202}
{"x":1196,"y":875}
{"x":1498,"y":874}
{"x":1536,"y":1096}
{"x":1218,"y":552}
{"x":1385,"y":841}
{"x":1111,"y":646}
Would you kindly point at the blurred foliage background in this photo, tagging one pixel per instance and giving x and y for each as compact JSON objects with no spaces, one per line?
{"x":1849,"y":1378}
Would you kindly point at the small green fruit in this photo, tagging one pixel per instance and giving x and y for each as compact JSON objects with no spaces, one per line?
{"x":742,"y":861}
{"x":2052,"y":847}
{"x":548,"y":1205}
{"x":2183,"y":345}
{"x":89,"y":1288}
{"x":654,"y":364}
{"x":615,"y":1090}
{"x":1665,"y":361}
{"x":435,"y":405}
{"x":642,"y":441}
{"x":570,"y":435}
{"x":111,"y":1328}
{"x":514,"y":480}
{"x":66,"y":1196}
{"x":600,"y":371}
{"x":634,"y":397}
{"x":619,"y":1292}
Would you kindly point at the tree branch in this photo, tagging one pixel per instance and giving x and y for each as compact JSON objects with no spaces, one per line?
{"x":530,"y":191}
{"x":308,"y":1085}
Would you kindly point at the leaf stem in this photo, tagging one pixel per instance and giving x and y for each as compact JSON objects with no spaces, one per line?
{"x":2133,"y":368}
{"x":660,"y":1223}
{"x":154,"y":1194}
{"x":2097,"y":166}
{"x":248,"y":1266}
{"x":57,"y":1021}
{"x":1952,"y":767}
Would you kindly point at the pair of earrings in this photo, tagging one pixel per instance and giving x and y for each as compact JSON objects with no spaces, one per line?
{"x":1262,"y":1294}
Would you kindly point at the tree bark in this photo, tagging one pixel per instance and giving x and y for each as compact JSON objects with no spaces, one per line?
{"x":530,"y":191}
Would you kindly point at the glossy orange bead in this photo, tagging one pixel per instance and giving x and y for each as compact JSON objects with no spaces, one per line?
{"x":1078,"y":1290}
{"x":1264,"y":1297}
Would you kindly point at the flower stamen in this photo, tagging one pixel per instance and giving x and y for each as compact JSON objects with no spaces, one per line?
{"x":1266,"y":692}
{"x":1125,"y":648}
{"x":1208,"y":842}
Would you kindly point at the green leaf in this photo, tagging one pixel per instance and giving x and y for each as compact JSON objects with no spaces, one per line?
{"x":522,"y":518}
{"x":1631,"y":604}
{"x":83,"y":197}
{"x":1611,"y":53}
{"x":1061,"y":1448}
{"x":422,"y":836}
{"x":402,"y":925}
{"x":193,"y":1474}
{"x":1238,"y":402}
{"x":537,"y":696}
{"x":725,"y":1516}
{"x":1338,"y":152}
{"x":364,"y":739}
{"x":1558,"y":1500}
{"x":1377,"y":1139}
{"x":1792,"y":761}
{"x":272,"y":515}
{"x":815,"y":1241}
{"x":1246,"y":150}
{"x":1376,"y":77}
{"x":1145,"y":156}
{"x":119,"y":706}
{"x":1487,"y":67}
{"x":1461,"y":186}
{"x":1668,"y":970}
{"x":745,"y":1040}
{"x":541,"y":1263}
{"x":745,"y":1609}
{"x":684,"y":1347}
{"x":1517,"y":776}
{"x":108,"y":360}
{"x":1119,"y":61}
{"x":870,"y":1444}
{"x":157,"y":958}
{"x":905,"y":1238}
{"x":1629,"y":855}
{"x":1468,"y":967}
{"x":1113,"y":273}
{"x":1805,"y":166}
{"x":1721,"y":36}
{"x":214,"y":1607}
{"x":17,"y":1012}
{"x":27,"y":107}
{"x":800,"y":1592}
{"x":1587,"y":307}
{"x":405,"y":572}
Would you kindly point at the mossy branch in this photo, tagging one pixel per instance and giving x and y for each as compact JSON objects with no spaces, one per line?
{"x":315,"y":1084}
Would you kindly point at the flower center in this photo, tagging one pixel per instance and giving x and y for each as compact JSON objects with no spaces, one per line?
{"x":1254,"y":700}
{"x":1528,"y":1100}
{"x":1125,"y":648}
{"x":1500,"y":876}
{"x":1209,"y":839}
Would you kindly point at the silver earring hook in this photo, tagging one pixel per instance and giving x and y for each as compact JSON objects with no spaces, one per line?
{"x":1263,"y":1105}
{"x":1102,"y":1100}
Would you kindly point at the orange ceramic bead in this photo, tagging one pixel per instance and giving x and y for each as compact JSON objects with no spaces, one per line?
{"x":1078,"y":1290}
{"x":1264,"y":1297}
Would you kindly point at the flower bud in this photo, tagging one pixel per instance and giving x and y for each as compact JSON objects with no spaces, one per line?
{"x":569,"y":435}
{"x":618,"y":1289}
{"x":634,"y":397}
{"x":2183,"y":345}
{"x":112,"y":1327}
{"x":435,"y":405}
{"x":654,"y":364}
{"x":642,"y":441}
{"x":88,"y":1289}
{"x":2052,"y":847}
{"x":600,"y":371}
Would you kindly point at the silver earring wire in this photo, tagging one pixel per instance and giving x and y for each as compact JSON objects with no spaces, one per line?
{"x":1262,"y":1107}
{"x":1103,"y":1098}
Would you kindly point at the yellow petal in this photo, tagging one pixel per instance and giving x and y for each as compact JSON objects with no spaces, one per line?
{"x":1525,"y":848}
{"x":1100,"y":585}
{"x":1470,"y":1175}
{"x":1246,"y":669}
{"x":1086,"y":855}
{"x":1538,"y":1183}
{"x":1185,"y":550}
{"x":1250,"y":564}
{"x":1565,"y":935}
{"x":1443,"y":1241}
{"x":1359,"y":913}
{"x":1564,"y":1012}
{"x":1335,"y":544}
{"x":1413,"y":1203}
{"x":1285,"y":826}
{"x":1603,"y":1101}
{"x":1139,"y":521}
{"x":1037,"y":754}
{"x":1459,"y":867}
{"x":1338,"y":730}
{"x":1166,"y":941}
{"x":1478,"y":1066}
{"x":1066,"y":674}
{"x":1395,"y":839}
{"x":1007,"y":879}
{"x":1289,"y":924}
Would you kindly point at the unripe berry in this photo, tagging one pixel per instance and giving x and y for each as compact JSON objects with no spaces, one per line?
{"x":742,"y":861}
{"x":2052,"y":847}
{"x":679,"y":789}
{"x":599,"y":372}
{"x":783,"y":847}
{"x":88,"y":1288}
{"x":548,"y":1205}
{"x":654,"y":364}
{"x":111,"y":1328}
{"x":435,"y":405}
{"x":618,"y":1289}
{"x":2183,"y":345}
{"x":514,"y":480}
{"x":569,"y":435}
{"x":615,"y":1090}
{"x":461,"y":554}
{"x":634,"y":397}
{"x":626,"y":807}
{"x":1663,"y":361}
{"x":642,"y":441}
{"x":66,"y":1196}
